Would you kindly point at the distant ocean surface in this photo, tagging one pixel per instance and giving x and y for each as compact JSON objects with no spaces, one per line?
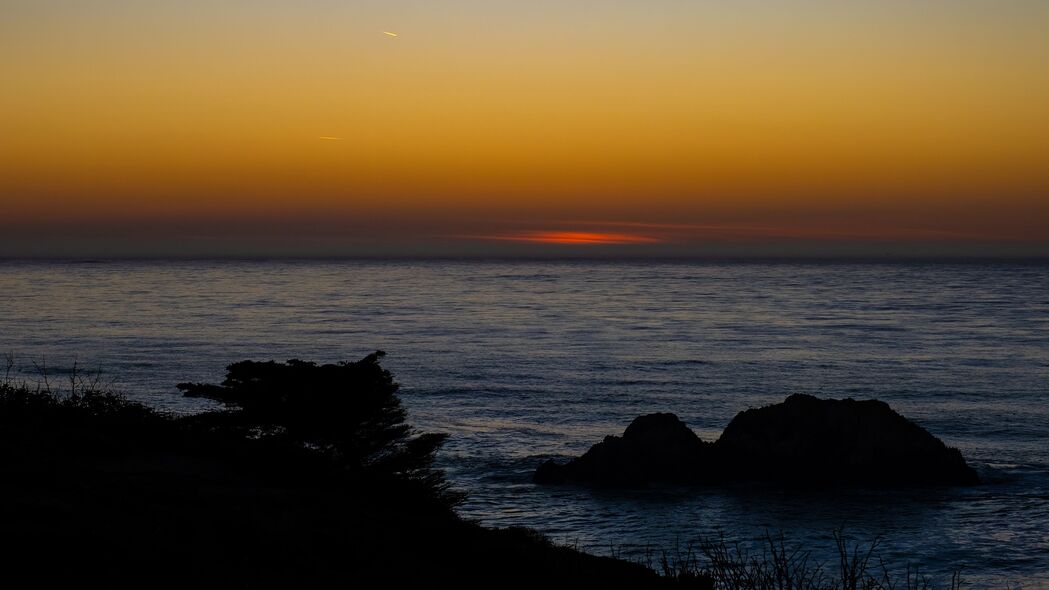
{"x":521,"y":361}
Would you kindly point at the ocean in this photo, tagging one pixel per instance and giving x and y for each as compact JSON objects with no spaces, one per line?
{"x":521,"y":361}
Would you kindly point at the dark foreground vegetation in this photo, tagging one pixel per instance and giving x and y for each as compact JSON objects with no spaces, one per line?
{"x":310,"y":478}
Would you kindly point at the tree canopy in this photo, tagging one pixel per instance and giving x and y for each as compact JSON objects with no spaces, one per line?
{"x":348,"y":410}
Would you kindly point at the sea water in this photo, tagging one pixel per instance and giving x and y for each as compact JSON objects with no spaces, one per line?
{"x":521,"y":361}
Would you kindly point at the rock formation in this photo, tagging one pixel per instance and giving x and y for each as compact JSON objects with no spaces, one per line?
{"x":656,"y":447}
{"x":802,"y":441}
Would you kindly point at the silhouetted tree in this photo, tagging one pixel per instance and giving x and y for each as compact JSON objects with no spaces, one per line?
{"x":349,"y":411}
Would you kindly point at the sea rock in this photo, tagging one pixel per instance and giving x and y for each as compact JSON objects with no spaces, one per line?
{"x":655,"y":447}
{"x":802,"y":441}
{"x":807,"y":440}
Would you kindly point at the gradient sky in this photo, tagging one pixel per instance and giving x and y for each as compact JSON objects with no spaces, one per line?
{"x":524,"y":127}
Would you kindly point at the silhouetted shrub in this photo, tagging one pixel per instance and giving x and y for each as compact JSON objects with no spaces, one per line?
{"x":348,"y":411}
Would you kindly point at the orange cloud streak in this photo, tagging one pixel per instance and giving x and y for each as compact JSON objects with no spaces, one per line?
{"x":798,"y":231}
{"x":569,"y":237}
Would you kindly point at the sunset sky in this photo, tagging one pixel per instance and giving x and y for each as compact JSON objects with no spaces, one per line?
{"x":524,"y":127}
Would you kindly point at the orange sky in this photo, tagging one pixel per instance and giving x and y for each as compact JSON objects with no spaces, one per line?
{"x":649,"y":122}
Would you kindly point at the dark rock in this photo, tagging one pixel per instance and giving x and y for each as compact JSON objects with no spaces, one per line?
{"x":802,"y":441}
{"x":807,"y":440}
{"x":656,"y":447}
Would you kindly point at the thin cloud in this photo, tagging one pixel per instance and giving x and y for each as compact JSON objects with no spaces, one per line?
{"x":566,"y":237}
{"x":744,"y":231}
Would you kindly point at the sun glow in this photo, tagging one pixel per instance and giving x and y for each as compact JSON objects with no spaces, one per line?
{"x":571,"y":237}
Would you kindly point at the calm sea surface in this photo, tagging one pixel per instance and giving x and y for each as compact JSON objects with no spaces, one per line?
{"x":522,"y":361}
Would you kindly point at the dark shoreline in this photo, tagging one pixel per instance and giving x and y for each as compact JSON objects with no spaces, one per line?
{"x":114,"y":493}
{"x":100,"y":489}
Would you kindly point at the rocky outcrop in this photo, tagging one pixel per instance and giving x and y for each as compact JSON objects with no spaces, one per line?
{"x":828,"y":441}
{"x":802,"y":441}
{"x":656,"y":447}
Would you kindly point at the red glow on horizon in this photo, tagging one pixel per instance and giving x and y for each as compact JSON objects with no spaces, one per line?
{"x":571,"y":237}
